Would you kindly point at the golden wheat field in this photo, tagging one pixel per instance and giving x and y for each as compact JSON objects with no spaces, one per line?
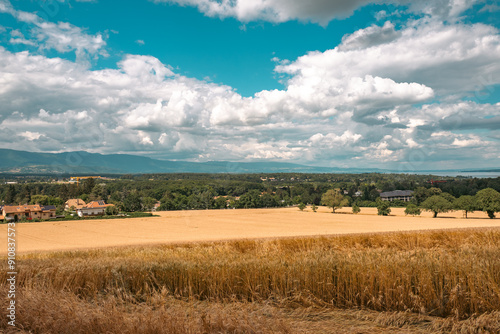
{"x":445,"y":281}
{"x":258,"y":271}
{"x":211,"y":225}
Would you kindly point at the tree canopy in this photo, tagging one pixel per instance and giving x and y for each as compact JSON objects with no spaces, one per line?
{"x":488,"y":200}
{"x":383,"y":208}
{"x":413,"y":210}
{"x":436,"y":204}
{"x":466,"y":203}
{"x":334,"y":200}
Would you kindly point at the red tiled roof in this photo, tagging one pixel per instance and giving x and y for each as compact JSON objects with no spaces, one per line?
{"x":97,"y":204}
{"x":76,"y":202}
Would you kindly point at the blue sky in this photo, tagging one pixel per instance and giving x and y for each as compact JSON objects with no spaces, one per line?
{"x":334,"y":83}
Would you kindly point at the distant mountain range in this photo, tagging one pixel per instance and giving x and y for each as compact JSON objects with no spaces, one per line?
{"x":81,"y":162}
{"x":22,"y":162}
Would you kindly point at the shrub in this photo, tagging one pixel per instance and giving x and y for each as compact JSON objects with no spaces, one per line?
{"x":413,"y":210}
{"x":111,"y":210}
{"x":355,"y":209}
{"x":384,"y":208}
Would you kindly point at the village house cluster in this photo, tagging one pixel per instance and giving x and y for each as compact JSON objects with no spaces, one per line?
{"x":93,"y":208}
{"x":45,"y":212}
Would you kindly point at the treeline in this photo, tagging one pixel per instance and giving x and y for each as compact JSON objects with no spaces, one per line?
{"x":429,"y":199}
{"x":216,"y":191}
{"x":436,"y":201}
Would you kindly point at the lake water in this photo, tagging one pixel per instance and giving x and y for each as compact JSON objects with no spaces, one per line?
{"x":452,"y":174}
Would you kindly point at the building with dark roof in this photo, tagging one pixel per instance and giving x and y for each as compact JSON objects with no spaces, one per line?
{"x":402,"y":195}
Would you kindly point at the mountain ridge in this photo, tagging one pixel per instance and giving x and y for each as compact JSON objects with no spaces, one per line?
{"x":15,"y":161}
{"x":79,"y":162}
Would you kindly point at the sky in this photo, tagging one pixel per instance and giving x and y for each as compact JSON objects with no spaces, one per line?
{"x":346,"y":83}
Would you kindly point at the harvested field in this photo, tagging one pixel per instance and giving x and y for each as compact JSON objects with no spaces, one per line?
{"x":212,"y":225}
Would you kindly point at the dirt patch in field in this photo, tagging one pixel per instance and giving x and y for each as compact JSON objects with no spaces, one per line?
{"x":211,"y":225}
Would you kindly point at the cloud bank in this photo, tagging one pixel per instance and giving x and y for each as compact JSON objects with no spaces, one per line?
{"x":383,"y":97}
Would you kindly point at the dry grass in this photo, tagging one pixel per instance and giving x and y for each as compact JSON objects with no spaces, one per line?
{"x":273,"y":286}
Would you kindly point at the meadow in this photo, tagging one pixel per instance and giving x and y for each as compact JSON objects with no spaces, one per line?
{"x":411,"y":282}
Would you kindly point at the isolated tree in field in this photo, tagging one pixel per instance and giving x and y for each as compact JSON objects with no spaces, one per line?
{"x":355,"y":209}
{"x":301,"y":206}
{"x":383,"y":208}
{"x":314,"y":207}
{"x":333,"y":199}
{"x":436,"y":204}
{"x":413,"y":210}
{"x":488,"y":200}
{"x":466,"y":203}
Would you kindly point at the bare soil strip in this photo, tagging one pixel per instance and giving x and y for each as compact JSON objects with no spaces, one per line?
{"x":216,"y":225}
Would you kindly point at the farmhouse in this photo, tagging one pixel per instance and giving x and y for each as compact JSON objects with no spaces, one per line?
{"x":28,"y":212}
{"x":402,"y":195}
{"x":94,"y":208}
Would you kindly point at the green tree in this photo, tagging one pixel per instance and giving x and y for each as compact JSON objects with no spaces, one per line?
{"x":466,"y":203}
{"x":88,"y":185}
{"x":301,"y":206}
{"x":269,"y":201}
{"x":436,"y":204}
{"x":488,"y":200}
{"x":449,"y":197}
{"x":314,"y":207}
{"x":99,"y":192}
{"x":383,"y":208}
{"x":356,"y":209}
{"x":46,"y":200}
{"x":148,"y":203}
{"x":40,"y":199}
{"x":132,"y":202}
{"x":413,"y":210}
{"x":220,"y":203}
{"x":251,"y":199}
{"x":111,"y":210}
{"x":297,"y":199}
{"x":10,"y":195}
{"x":421,"y":193}
{"x":333,"y":199}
